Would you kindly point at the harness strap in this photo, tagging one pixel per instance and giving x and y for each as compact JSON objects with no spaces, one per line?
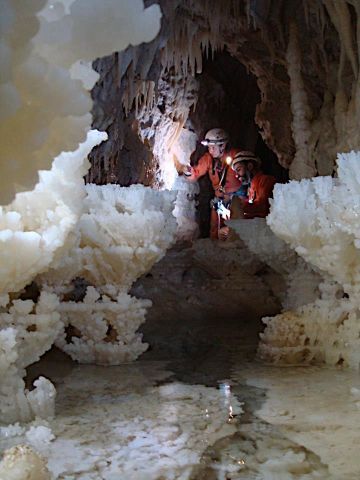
{"x":224,"y":174}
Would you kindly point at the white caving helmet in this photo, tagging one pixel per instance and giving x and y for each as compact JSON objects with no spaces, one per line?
{"x":215,"y":136}
{"x":245,"y":156}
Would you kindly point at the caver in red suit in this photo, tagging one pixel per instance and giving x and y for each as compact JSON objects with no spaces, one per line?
{"x":217,"y":169}
{"x":261,"y":188}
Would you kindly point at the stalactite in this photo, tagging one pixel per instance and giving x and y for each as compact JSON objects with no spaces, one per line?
{"x":321,"y":18}
{"x":314,"y":10}
{"x":345,"y":32}
{"x":306,"y":12}
{"x":323,"y":141}
{"x":179,"y":126}
{"x":315,"y":18}
{"x":303,"y":165}
{"x":346,"y":112}
{"x":200,"y":28}
{"x":189,"y":42}
{"x":251,"y":21}
{"x":340,"y":17}
{"x":356,"y":5}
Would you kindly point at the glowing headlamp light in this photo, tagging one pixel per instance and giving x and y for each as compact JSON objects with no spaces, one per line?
{"x":218,"y":142}
{"x":228,"y":160}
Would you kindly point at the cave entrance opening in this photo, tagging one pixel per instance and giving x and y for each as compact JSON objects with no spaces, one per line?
{"x":227,"y":98}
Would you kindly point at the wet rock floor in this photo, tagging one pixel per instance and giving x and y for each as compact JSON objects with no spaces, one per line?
{"x":212,"y":414}
{"x":198,"y":405}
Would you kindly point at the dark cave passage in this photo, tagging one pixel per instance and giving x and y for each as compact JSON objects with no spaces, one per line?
{"x":227,"y":98}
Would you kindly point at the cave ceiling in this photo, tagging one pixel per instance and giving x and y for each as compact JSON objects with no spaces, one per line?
{"x":163,"y":78}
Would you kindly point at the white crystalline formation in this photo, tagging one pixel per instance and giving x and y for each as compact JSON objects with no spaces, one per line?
{"x":36,"y":228}
{"x":22,"y":462}
{"x":104,"y":328}
{"x":25,"y":335}
{"x":318,"y":218}
{"x":121,"y":234}
{"x":39,"y":225}
{"x":43,"y":109}
{"x":46,"y":110}
{"x":185,"y":209}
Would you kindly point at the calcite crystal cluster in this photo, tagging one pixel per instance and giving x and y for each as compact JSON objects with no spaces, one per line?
{"x":27,"y":331}
{"x":103,"y":328}
{"x":45,"y":50}
{"x":36,"y":229}
{"x":22,"y":462}
{"x":318,"y":218}
{"x":121,"y":234}
{"x":39,"y":225}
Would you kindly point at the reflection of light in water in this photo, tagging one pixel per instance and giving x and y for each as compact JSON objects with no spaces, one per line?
{"x":239,"y":462}
{"x":226,"y":391}
{"x":231,"y":416}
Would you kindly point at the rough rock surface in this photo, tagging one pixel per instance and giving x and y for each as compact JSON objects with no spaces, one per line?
{"x":255,"y":37}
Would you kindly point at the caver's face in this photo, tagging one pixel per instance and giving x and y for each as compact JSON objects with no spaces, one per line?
{"x":250,"y":167}
{"x":240,"y":169}
{"x":216,"y":151}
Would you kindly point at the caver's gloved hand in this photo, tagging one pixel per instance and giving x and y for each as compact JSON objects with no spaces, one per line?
{"x":188,"y":170}
{"x":224,"y":233}
{"x":223,"y":211}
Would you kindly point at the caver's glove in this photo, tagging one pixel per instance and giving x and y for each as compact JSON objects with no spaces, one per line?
{"x":223,"y":211}
{"x":188,"y":170}
{"x":224,"y":233}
